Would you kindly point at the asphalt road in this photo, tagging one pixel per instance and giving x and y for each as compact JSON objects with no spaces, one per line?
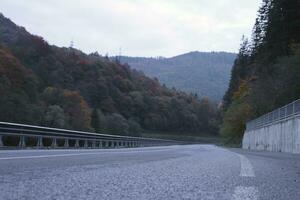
{"x":174,"y":172}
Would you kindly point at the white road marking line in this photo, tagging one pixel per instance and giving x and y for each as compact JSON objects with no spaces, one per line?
{"x":47,"y":156}
{"x":246,"y":167}
{"x":245,"y":193}
{"x":74,"y":154}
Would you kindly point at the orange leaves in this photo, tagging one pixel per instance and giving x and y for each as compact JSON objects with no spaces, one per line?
{"x":11,"y":68}
{"x":73,"y":104}
{"x":243,"y":90}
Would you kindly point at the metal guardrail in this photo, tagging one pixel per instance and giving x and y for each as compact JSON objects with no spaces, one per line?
{"x":62,"y":138}
{"x":275,"y":116}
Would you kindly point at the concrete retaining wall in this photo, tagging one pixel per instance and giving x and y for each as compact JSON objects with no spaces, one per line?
{"x":281,"y":136}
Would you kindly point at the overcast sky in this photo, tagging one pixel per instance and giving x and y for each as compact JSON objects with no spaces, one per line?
{"x":139,"y":27}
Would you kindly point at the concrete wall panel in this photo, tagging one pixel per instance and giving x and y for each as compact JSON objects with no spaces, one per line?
{"x":283,"y":136}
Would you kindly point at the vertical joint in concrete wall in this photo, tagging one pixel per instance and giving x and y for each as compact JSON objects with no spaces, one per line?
{"x":39,"y":142}
{"x":293,"y":107}
{"x":85,"y":144}
{"x":1,"y":142}
{"x":54,"y":143}
{"x":66,"y":145}
{"x":22,"y":143}
{"x":76,"y":143}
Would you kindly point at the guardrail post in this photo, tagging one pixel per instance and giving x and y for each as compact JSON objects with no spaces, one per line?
{"x":22,"y":143}
{"x":106,"y":143}
{"x":94,"y":144}
{"x":1,"y":142}
{"x":54,"y":143}
{"x":100,"y":144}
{"x":39,"y":142}
{"x":66,"y":145}
{"x":76,"y":143}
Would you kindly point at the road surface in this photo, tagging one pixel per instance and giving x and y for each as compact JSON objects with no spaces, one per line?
{"x":175,"y":172}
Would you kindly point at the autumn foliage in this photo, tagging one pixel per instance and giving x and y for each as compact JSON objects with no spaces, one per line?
{"x":66,"y":88}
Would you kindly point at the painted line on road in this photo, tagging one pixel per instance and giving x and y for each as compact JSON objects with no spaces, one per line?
{"x":246,"y":167}
{"x":75,"y":154}
{"x":245,"y":193}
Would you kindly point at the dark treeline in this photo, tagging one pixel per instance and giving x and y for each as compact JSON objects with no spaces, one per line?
{"x":266,"y":73}
{"x":45,"y":85}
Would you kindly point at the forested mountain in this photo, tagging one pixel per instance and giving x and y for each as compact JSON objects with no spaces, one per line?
{"x":266,"y":73}
{"x":206,"y":74}
{"x":45,"y":85}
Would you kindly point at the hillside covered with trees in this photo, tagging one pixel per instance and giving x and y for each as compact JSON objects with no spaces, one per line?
{"x":41,"y":84}
{"x":266,"y":73}
{"x":205,"y":73}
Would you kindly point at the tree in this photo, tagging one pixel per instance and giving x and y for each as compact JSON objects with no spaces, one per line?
{"x":43,"y":84}
{"x":77,"y":111}
{"x":98,"y":121}
{"x":240,"y":71}
{"x":79,"y":114}
{"x":134,"y":128}
{"x":55,"y":117}
{"x":235,"y":118}
{"x":117,"y":124}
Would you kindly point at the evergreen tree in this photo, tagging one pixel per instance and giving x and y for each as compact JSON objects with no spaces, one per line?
{"x":269,"y":68}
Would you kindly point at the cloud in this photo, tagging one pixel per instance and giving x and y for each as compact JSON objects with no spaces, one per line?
{"x":140,"y":27}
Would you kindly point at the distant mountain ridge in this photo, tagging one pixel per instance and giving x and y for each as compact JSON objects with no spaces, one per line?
{"x":42,"y":84}
{"x":204,"y":73}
